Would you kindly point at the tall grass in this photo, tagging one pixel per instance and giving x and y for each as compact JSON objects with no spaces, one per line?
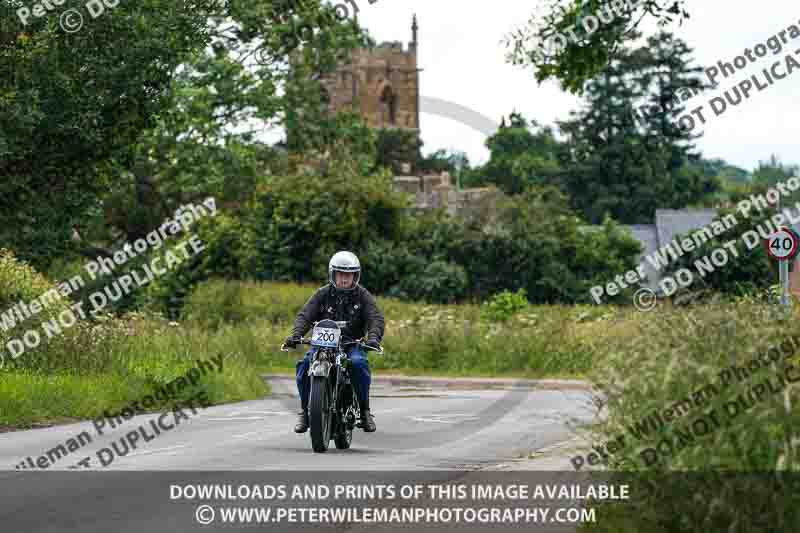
{"x":106,"y":365}
{"x":441,"y":339}
{"x":670,"y":356}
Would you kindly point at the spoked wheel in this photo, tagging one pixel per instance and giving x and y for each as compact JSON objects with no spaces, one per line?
{"x":319,"y":414}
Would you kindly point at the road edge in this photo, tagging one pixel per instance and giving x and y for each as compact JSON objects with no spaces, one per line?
{"x":462,"y":382}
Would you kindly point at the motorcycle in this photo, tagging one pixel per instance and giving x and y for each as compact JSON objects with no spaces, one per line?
{"x":332,"y":405}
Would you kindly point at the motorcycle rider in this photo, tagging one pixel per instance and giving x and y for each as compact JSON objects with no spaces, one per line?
{"x":341,"y":299}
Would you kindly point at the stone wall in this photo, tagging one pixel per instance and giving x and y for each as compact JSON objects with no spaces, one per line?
{"x":438,"y":191}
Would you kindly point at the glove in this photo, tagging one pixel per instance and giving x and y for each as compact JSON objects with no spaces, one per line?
{"x":291,"y":341}
{"x":373,"y":343}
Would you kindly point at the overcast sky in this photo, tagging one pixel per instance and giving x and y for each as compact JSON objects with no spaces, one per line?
{"x":462,"y":56}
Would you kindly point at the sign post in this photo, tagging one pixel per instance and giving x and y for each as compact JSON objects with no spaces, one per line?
{"x":782,"y":246}
{"x":784,"y":277}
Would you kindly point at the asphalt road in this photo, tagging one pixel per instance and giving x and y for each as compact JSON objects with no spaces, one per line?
{"x":420,"y":428}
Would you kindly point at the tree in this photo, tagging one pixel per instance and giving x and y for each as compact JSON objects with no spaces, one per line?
{"x":161,"y":105}
{"x":297,"y":229}
{"x":594,"y":32}
{"x":71,"y":102}
{"x":718,"y":167}
{"x":663,"y":70}
{"x":751,"y":270}
{"x":608,"y":169}
{"x":522,"y":154}
{"x":538,"y":243}
{"x":452,"y":161}
{"x":395,"y":147}
{"x":626,"y":165}
{"x":773,"y":171}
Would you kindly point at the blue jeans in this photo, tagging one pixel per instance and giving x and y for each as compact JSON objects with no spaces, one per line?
{"x":359,"y":374}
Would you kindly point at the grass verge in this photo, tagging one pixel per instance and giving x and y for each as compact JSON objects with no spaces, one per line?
{"x":705,"y":402}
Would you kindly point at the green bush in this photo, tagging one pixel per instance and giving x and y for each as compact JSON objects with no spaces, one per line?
{"x":226,"y":249}
{"x":501,"y":307}
{"x":297,"y":229}
{"x":418,"y":265}
{"x":19,"y":282}
{"x":391,"y":269}
{"x":539,"y":244}
{"x":286,"y":233}
{"x":746,"y":270}
{"x":385,"y":265}
{"x":66,"y":267}
{"x":439,"y":282}
{"x":215,"y":302}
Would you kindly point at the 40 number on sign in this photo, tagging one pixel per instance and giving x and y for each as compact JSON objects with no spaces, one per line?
{"x":783,"y":244}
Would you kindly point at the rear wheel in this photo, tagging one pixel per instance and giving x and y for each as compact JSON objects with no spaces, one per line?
{"x":319,"y":414}
{"x":345,"y":436}
{"x":344,"y":439}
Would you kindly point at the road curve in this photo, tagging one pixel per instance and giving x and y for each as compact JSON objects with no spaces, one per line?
{"x":421,"y":427}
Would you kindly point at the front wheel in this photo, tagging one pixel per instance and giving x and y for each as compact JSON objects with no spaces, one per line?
{"x":319,"y":414}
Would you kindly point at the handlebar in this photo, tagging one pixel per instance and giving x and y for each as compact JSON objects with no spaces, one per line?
{"x":360,"y":342}
{"x":301,"y":341}
{"x":348,"y":343}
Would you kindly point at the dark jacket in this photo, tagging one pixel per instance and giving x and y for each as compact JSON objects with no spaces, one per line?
{"x":358,"y":307}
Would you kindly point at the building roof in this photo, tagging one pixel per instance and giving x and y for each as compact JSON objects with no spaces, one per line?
{"x":671,"y":222}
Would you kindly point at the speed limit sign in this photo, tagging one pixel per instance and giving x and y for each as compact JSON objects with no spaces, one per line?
{"x":783,"y":244}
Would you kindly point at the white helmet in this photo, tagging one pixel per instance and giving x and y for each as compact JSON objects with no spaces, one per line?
{"x":344,"y":262}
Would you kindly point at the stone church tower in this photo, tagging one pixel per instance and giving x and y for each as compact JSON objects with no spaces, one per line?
{"x":380,"y":84}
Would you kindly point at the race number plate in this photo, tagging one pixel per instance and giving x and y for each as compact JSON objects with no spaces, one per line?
{"x":326,"y":337}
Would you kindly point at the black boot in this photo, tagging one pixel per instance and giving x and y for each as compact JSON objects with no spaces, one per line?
{"x":302,"y":422}
{"x":367,"y":421}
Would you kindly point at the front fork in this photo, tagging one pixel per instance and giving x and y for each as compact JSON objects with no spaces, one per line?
{"x":347,"y":407}
{"x":342,"y":403}
{"x":320,"y":368}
